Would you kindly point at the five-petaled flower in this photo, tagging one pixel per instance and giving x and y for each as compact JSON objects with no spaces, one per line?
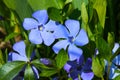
{"x":20,"y":55}
{"x":72,"y":36}
{"x":75,"y":69}
{"x":41,"y":28}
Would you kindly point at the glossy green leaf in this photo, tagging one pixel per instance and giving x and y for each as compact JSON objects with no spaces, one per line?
{"x":48,"y":72}
{"x":117,"y":77}
{"x":20,"y":6}
{"x":44,"y":4}
{"x":54,"y":14}
{"x":11,"y":69}
{"x":98,"y":66}
{"x":84,"y":13}
{"x":100,"y":6}
{"x":61,"y":58}
{"x":29,"y":74}
{"x":103,"y":48}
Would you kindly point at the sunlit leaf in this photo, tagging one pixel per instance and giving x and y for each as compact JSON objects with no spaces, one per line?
{"x":100,"y":6}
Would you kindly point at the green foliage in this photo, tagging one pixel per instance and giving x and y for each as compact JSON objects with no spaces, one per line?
{"x":11,"y":69}
{"x":98,"y":66}
{"x":103,"y":48}
{"x":29,"y":74}
{"x":61,"y":59}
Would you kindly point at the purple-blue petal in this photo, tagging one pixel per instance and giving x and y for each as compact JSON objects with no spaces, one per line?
{"x":74,"y":74}
{"x":35,"y":36}
{"x":35,"y":72}
{"x":67,"y":67}
{"x":74,"y":52}
{"x":20,"y":48}
{"x":41,"y":16}
{"x":82,"y":38}
{"x":16,"y":57}
{"x":116,"y":46}
{"x":48,"y":38}
{"x":87,"y":76}
{"x":30,"y":23}
{"x":73,"y":27}
{"x":59,"y":45}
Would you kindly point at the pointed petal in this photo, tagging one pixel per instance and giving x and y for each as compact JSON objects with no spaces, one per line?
{"x":74,"y":52}
{"x":16,"y":57}
{"x":59,"y":45}
{"x":81,"y":60}
{"x":87,"y":76}
{"x":116,"y":46}
{"x":73,"y":26}
{"x":67,"y":67}
{"x":41,"y":16}
{"x":48,"y":38}
{"x":35,"y":36}
{"x":20,"y":48}
{"x":35,"y":72}
{"x":82,"y":38}
{"x":30,"y":23}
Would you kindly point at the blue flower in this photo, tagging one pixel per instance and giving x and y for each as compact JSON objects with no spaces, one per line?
{"x":75,"y":68}
{"x":115,"y":63}
{"x":42,"y":30}
{"x":72,"y":36}
{"x":20,"y":55}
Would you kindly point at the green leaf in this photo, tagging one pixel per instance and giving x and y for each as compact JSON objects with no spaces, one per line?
{"x":11,"y":69}
{"x":39,"y":65}
{"x":10,"y":36}
{"x":100,"y":6}
{"x":1,"y":59}
{"x":29,"y":74}
{"x":45,"y":4}
{"x":48,"y":72}
{"x":84,"y":13}
{"x":111,"y":39}
{"x":20,"y":6}
{"x":61,"y":58}
{"x":103,"y":48}
{"x":117,"y":77}
{"x":54,"y":14}
{"x":98,"y":66}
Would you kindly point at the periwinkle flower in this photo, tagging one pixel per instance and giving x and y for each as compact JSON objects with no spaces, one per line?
{"x":20,"y":55}
{"x":115,"y":63}
{"x":72,"y":36}
{"x":74,"y":68}
{"x":42,"y":30}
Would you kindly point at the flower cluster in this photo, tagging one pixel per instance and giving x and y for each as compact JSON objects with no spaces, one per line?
{"x":44,"y":30}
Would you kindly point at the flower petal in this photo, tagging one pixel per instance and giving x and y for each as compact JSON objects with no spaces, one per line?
{"x":20,"y":48}
{"x":35,"y":36}
{"x":16,"y":57}
{"x":30,"y":23}
{"x":87,"y":76}
{"x":48,"y":38}
{"x":41,"y":16}
{"x":73,"y":26}
{"x":59,"y":30}
{"x":74,"y":74}
{"x":116,"y":46}
{"x":59,"y":45}
{"x":74,"y":52}
{"x":35,"y":72}
{"x":82,"y":38}
{"x":67,"y":67}
{"x":88,"y":65}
